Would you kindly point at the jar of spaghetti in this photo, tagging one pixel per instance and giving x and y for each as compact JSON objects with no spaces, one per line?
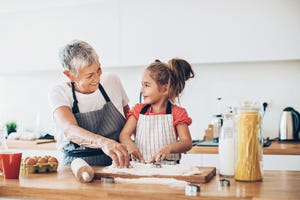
{"x":249,"y":143}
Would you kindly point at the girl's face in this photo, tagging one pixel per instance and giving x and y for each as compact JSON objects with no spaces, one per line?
{"x":151,"y":92}
{"x":87,"y":79}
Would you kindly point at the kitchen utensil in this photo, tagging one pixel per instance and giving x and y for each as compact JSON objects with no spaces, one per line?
{"x":192,"y":189}
{"x":289,"y":126}
{"x":82,"y":170}
{"x":207,"y":174}
{"x":108,"y":179}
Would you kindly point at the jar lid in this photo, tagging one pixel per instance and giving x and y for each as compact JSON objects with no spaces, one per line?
{"x":248,"y":106}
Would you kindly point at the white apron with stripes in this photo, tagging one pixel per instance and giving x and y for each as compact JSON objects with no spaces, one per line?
{"x":153,"y":132}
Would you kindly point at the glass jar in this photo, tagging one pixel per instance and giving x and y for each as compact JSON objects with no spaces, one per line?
{"x":249,"y":143}
{"x":217,"y":123}
{"x":227,"y":147}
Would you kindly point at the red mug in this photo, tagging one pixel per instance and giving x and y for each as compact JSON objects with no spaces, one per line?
{"x":11,"y":163}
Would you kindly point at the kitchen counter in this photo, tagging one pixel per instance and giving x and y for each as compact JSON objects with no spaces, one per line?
{"x":45,"y":144}
{"x":276,"y":148}
{"x":63,"y":185}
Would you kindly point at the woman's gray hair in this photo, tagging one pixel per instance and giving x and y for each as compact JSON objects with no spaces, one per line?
{"x":77,"y":54}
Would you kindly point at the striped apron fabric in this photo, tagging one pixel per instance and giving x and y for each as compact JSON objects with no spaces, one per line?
{"x":107,"y":122}
{"x":155,"y":131}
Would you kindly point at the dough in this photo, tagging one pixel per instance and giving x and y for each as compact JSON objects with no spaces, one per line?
{"x":142,"y":169}
{"x":160,"y":181}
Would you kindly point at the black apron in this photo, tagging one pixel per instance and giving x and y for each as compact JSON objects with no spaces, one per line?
{"x":107,"y":122}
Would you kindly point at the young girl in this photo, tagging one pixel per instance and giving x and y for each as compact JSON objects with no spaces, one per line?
{"x":160,"y":127}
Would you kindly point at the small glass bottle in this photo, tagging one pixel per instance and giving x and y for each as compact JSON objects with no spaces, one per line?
{"x":217,"y":123}
{"x":227,"y":147}
{"x":249,"y":143}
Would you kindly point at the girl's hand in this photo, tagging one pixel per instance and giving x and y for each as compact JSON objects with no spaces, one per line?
{"x":161,"y":154}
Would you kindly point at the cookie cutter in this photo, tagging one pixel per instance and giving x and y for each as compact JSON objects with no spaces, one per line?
{"x":107,"y":179}
{"x":169,"y":162}
{"x":156,"y":165}
{"x":192,"y":189}
{"x":224,"y":182}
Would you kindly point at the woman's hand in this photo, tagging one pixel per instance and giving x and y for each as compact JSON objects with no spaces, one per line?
{"x":161,"y":154}
{"x":134,"y":152}
{"x":117,"y":152}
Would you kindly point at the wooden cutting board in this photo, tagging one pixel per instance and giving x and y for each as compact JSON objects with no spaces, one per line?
{"x":208,"y":173}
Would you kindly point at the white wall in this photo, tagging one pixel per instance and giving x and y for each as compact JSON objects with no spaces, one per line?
{"x":24,"y":96}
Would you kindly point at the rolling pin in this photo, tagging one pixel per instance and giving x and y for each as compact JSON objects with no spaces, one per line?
{"x":82,"y":170}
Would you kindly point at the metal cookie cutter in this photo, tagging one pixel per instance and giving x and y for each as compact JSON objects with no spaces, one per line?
{"x":224,"y":182}
{"x":156,"y":165}
{"x":192,"y":189}
{"x":108,"y":179}
{"x":169,"y":162}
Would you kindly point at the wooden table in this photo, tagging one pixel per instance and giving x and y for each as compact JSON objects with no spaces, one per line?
{"x":63,"y":185}
{"x":276,"y":148}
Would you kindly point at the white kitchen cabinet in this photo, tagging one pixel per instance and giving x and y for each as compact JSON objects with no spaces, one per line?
{"x":208,"y":31}
{"x":134,"y":32}
{"x":270,"y":162}
{"x":208,"y":160}
{"x":281,"y":162}
{"x":32,"y":35}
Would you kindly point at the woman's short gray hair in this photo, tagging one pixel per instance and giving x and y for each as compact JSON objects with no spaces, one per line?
{"x":77,"y":54}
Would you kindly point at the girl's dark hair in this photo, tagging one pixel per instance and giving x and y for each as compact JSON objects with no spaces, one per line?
{"x":175,"y":73}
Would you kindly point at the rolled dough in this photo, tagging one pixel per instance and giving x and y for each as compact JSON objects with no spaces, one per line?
{"x":142,"y":169}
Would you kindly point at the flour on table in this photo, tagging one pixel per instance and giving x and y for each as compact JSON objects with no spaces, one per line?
{"x":142,"y":169}
{"x":161,"y":181}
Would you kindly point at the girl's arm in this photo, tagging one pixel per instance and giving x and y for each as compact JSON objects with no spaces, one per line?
{"x":183,"y":145}
{"x":125,"y":138}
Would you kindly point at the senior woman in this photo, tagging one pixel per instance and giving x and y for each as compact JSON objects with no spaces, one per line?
{"x":89,"y":110}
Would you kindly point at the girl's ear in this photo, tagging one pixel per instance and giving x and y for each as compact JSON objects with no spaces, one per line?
{"x":68,"y":74}
{"x":165,"y":89}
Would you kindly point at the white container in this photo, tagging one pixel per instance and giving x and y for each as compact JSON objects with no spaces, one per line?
{"x":227,"y":149}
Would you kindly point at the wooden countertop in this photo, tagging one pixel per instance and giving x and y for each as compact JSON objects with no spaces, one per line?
{"x":276,"y":148}
{"x":63,"y":185}
{"x":47,"y":144}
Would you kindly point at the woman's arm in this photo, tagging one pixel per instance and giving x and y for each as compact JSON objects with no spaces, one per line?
{"x":182,"y":145}
{"x":65,"y":119}
{"x":125,"y":138}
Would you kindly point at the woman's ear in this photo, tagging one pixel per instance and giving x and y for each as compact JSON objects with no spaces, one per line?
{"x":68,"y":74}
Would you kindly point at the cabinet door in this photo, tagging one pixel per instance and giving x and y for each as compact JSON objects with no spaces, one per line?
{"x":208,"y":31}
{"x":281,"y":162}
{"x":31,"y":36}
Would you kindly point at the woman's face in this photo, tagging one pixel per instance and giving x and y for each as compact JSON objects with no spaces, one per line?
{"x":87,"y":79}
{"x":150,"y":90}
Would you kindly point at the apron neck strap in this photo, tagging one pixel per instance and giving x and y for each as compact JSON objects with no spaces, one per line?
{"x":75,"y":108}
{"x":168,"y":110}
{"x":106,"y":97}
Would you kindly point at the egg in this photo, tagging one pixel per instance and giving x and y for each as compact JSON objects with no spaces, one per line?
{"x":30,"y":161}
{"x":42,"y":160}
{"x":52,"y":159}
{"x":25,"y":160}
